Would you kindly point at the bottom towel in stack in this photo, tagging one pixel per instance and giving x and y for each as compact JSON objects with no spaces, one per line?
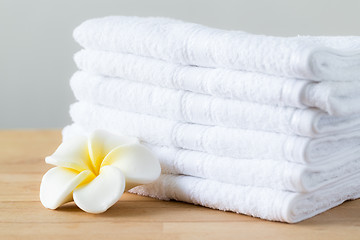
{"x":260,"y":202}
{"x":272,"y":202}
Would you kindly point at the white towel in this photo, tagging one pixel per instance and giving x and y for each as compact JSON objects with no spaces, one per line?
{"x":227,"y":142}
{"x":333,"y":97}
{"x":185,"y":106}
{"x":279,"y":175}
{"x":316,"y":58}
{"x":247,"y":172}
{"x":259,"y":202}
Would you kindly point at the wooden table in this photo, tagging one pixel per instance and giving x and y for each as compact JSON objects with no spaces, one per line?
{"x":133,"y":217}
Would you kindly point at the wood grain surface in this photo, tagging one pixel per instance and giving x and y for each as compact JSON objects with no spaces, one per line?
{"x":22,"y":216}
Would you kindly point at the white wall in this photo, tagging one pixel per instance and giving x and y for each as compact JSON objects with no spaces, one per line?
{"x":36,"y":44}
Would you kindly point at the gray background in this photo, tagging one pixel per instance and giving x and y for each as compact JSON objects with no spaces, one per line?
{"x":36,"y":44}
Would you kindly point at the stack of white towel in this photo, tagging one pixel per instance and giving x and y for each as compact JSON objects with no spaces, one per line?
{"x":259,"y":125}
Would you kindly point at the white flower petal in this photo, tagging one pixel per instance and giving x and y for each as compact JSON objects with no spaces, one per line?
{"x":58,"y":183}
{"x":102,"y":192}
{"x":137,"y":163}
{"x":100,"y":143}
{"x":73,"y":154}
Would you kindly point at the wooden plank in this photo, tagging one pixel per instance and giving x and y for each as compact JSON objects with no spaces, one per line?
{"x":22,"y":216}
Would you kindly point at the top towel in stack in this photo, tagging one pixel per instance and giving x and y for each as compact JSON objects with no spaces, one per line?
{"x":272,"y":117}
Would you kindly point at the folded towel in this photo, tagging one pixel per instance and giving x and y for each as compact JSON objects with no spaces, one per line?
{"x":247,"y":172}
{"x":259,"y":202}
{"x":227,"y":142}
{"x":254,"y":172}
{"x":316,"y":58}
{"x":185,"y":106}
{"x":333,"y":97}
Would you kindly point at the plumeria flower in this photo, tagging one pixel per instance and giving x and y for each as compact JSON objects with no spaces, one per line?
{"x":95,"y":171}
